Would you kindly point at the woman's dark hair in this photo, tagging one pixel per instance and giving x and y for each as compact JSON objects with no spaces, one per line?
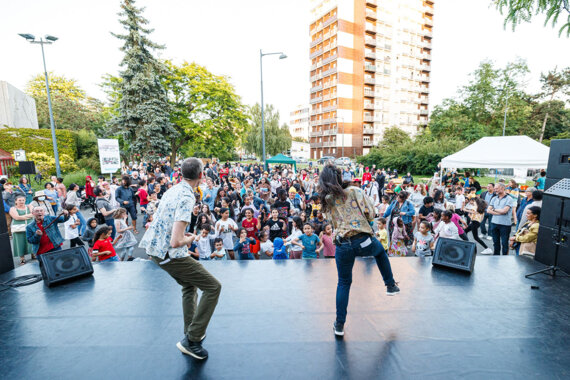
{"x":22,"y":179}
{"x":437,"y":214}
{"x":438,"y":196}
{"x":428,"y":200}
{"x":142,"y":182}
{"x":535,"y":210}
{"x":48,"y":184}
{"x":102,"y":230}
{"x":199,"y":222}
{"x":72,"y":187}
{"x":127,"y":180}
{"x":240,"y":230}
{"x":97,"y":191}
{"x":447,"y":213}
{"x":223,"y":209}
{"x":298,"y":222}
{"x":481,"y":205}
{"x":386,"y":198}
{"x":70,"y":207}
{"x":403,"y":195}
{"x":330,"y":183}
{"x":537,"y":195}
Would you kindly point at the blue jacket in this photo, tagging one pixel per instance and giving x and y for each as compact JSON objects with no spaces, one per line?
{"x":52,"y":232}
{"x":407,"y":208}
{"x":124,"y":194}
{"x":279,"y":251}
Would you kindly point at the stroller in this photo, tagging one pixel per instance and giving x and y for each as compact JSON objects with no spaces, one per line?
{"x":86,"y":202}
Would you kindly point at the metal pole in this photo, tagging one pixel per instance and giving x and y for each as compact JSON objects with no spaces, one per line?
{"x":53,"y":137}
{"x":506,"y":108}
{"x":262,"y":111}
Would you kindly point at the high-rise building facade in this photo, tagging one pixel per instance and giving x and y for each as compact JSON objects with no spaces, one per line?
{"x":299,"y":122}
{"x":370,"y":70}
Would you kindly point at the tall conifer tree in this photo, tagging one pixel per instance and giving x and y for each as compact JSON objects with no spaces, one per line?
{"x":144,"y":117}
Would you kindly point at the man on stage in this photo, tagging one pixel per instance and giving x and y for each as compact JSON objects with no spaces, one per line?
{"x":166,"y":243}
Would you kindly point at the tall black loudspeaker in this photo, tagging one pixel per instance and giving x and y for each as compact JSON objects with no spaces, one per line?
{"x":6,"y":259}
{"x":65,"y":265}
{"x":559,"y":159}
{"x":546,"y":247}
{"x":457,"y":254}
{"x":550,"y":213}
{"x":27,"y":167}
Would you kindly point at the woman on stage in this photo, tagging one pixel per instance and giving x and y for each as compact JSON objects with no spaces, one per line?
{"x":351,"y":212}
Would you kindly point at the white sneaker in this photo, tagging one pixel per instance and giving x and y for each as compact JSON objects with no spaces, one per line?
{"x":489,"y":238}
{"x":487,"y":251}
{"x":483,"y":236}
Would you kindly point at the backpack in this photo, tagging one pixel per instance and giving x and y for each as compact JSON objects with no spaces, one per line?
{"x":99,"y":217}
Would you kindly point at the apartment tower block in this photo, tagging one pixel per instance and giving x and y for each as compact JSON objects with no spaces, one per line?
{"x":370,"y":70}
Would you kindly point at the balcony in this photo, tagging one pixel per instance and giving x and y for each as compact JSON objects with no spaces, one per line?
{"x":424,"y":79}
{"x":372,"y":3}
{"x":330,"y":59}
{"x":370,"y":28}
{"x":329,"y":21}
{"x":315,"y":133}
{"x":316,"y":145}
{"x":367,"y":143}
{"x":316,"y":111}
{"x":316,"y":42}
{"x":428,"y":33}
{"x":368,"y":131}
{"x":329,"y":84}
{"x":368,"y":93}
{"x":369,"y":41}
{"x":317,"y":99}
{"x":424,"y":100}
{"x":330,"y":108}
{"x":370,"y":68}
{"x":329,"y":144}
{"x":330,"y":132}
{"x":424,"y":112}
{"x":369,"y":80}
{"x":329,"y":72}
{"x":316,"y":53}
{"x":426,"y":56}
{"x":370,"y":54}
{"x":317,"y":29}
{"x":371,"y":15}
{"x":316,"y":77}
{"x":428,"y":22}
{"x":316,"y":89}
{"x":369,"y":106}
{"x":425,"y":67}
{"x":329,"y":121}
{"x":424,"y":90}
{"x":368,"y":118}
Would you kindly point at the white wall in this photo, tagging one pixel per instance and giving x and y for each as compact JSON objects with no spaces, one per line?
{"x":17,"y":110}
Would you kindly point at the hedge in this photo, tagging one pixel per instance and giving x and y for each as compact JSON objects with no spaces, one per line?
{"x":38,"y":140}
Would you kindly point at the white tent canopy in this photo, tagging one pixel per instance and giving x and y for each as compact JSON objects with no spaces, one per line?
{"x":504,"y":152}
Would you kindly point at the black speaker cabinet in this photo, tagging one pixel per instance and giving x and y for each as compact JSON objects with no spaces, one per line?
{"x":559,"y":159}
{"x":65,"y":265}
{"x":546,"y":247}
{"x":27,"y":167}
{"x":6,"y":259}
{"x":550,"y":212}
{"x":3,"y":224}
{"x":550,"y":181}
{"x":457,"y":254}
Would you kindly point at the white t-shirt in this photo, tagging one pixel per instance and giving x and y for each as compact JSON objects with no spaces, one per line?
{"x":266,"y":246}
{"x":459,"y":201}
{"x":71,"y":233}
{"x":221,"y":252}
{"x":224,"y":231}
{"x":447,"y":230}
{"x":204,"y":248}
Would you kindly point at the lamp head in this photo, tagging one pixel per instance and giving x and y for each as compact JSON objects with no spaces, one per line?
{"x":27,"y":36}
{"x":282,"y":56}
{"x":51,"y":38}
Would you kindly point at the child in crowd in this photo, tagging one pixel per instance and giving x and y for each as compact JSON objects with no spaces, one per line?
{"x":384,"y":205}
{"x":477,"y":212}
{"x":279,"y":251}
{"x":426,"y":211}
{"x":89,"y":233}
{"x":149,"y":220}
{"x":152,"y":205}
{"x":219,"y":250}
{"x":225,"y":229}
{"x":318,"y":222}
{"x":72,"y":227}
{"x":446,"y":228}
{"x":103,"y":247}
{"x":276,"y":226}
{"x":127,"y":244}
{"x":423,"y":240}
{"x":456,"y":219}
{"x":398,"y":246}
{"x":265,"y":243}
{"x":294,"y":251}
{"x":203,"y":242}
{"x":250,"y":224}
{"x":327,"y":238}
{"x":382,"y":234}
{"x":243,"y":246}
{"x":309,"y":242}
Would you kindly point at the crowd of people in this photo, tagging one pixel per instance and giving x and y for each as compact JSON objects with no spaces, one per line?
{"x":245,"y":212}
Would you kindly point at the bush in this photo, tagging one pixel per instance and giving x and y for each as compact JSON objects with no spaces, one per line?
{"x":38,"y":141}
{"x":46,"y":163}
{"x":87,"y":145}
{"x":78,"y":177}
{"x":90,"y":164}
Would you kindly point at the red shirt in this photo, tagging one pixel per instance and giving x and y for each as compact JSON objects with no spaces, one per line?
{"x":45,"y":244}
{"x":143,"y":196}
{"x":367,"y":177}
{"x":250,"y":227}
{"x":104,"y":245}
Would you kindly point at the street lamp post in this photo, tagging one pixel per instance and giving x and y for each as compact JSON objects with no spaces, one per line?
{"x":261,"y":55}
{"x":41,"y":42}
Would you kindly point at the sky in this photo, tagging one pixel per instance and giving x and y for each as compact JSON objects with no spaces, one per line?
{"x":226,"y":36}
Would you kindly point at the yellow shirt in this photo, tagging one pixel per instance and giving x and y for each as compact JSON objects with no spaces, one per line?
{"x":352,"y":215}
{"x":382,"y":236}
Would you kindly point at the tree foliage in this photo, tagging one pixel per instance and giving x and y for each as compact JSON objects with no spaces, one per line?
{"x":518,"y":11}
{"x":205,"y":111}
{"x":553,"y":83}
{"x":143,"y":113}
{"x":277,"y":138}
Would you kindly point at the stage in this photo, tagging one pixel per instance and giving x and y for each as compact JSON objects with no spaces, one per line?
{"x":274,"y":321}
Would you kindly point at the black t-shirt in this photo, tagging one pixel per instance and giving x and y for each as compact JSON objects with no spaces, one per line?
{"x":275,"y":228}
{"x":318,"y":224}
{"x":425,"y":211}
{"x":284,"y":208}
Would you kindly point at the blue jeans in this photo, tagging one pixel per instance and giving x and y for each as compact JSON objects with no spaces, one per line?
{"x":500,"y":235}
{"x":486,"y":218}
{"x":246,"y":256}
{"x":344,"y":257}
{"x":112,"y":258}
{"x":111,"y":223}
{"x":83,"y":224}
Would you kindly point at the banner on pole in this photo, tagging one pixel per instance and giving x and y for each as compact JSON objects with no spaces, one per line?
{"x":109,"y":155}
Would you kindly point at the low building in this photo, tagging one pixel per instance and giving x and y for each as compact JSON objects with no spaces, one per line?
{"x":17,"y":109}
{"x":300,"y":149}
{"x":299,"y":122}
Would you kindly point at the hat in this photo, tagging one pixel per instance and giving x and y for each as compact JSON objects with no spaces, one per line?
{"x":39,"y":193}
{"x":293,"y":190}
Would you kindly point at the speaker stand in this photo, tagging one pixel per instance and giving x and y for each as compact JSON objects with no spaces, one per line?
{"x":560,"y":241}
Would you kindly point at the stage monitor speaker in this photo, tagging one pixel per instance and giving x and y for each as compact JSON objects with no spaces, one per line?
{"x":550,"y":213}
{"x":65,"y":265}
{"x":550,"y":181}
{"x":457,"y":254}
{"x":546,"y":247}
{"x":6,"y":259}
{"x":27,"y":167}
{"x":559,"y":159}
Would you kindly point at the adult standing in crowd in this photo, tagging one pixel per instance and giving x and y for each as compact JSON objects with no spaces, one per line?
{"x":487,"y":196}
{"x":525,"y":201}
{"x":43,"y":233}
{"x":167,"y":244}
{"x":9,"y":196}
{"x":500,"y":208}
{"x":40,"y":200}
{"x":105,"y":208}
{"x":21,"y":215}
{"x":26,"y":188}
{"x":401,"y":207}
{"x":52,"y":196}
{"x":126,"y":198}
{"x":351,"y":212}
{"x":536,"y":201}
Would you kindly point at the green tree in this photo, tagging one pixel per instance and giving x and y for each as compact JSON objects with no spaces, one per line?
{"x":517,"y":11}
{"x":394,"y":136}
{"x":58,"y":85}
{"x":277,"y":138}
{"x":553,"y":83}
{"x":206,"y":112}
{"x":143,"y":114}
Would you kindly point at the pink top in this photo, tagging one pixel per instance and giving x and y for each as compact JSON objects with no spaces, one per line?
{"x":61,"y":190}
{"x":329,"y":248}
{"x":455,"y":219}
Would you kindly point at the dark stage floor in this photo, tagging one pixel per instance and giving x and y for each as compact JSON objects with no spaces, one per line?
{"x":274,"y":321}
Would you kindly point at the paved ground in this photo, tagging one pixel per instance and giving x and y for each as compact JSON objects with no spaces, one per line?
{"x":140,"y":253}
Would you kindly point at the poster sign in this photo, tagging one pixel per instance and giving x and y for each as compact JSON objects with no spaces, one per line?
{"x":19,"y":155}
{"x":109,"y":155}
